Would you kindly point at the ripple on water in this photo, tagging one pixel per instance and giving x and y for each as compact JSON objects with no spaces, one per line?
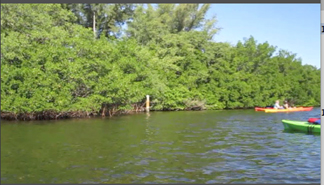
{"x":142,"y":162}
{"x":165,"y":148}
{"x":182,"y":179}
{"x":117,"y":175}
{"x":104,"y":180}
{"x":190,"y":170}
{"x":74,"y":166}
{"x":128,"y":172}
{"x":166,"y":143}
{"x":143,"y":175}
{"x":229,"y":147}
{"x":100,"y":169}
{"x":211,"y":182}
{"x":189,"y":142}
{"x":162,"y":176}
{"x":150,"y":159}
{"x":191,"y":136}
{"x":180,"y":153}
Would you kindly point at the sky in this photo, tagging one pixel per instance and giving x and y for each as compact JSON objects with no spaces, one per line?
{"x":292,"y":27}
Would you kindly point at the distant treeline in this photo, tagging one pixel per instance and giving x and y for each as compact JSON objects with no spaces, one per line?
{"x":73,"y":60}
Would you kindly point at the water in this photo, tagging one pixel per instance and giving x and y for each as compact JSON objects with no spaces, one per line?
{"x":239,"y":146}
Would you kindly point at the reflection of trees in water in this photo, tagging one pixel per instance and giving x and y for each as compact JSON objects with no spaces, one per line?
{"x":148,"y":131}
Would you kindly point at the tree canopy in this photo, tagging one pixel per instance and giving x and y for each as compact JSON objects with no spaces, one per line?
{"x":104,"y":58}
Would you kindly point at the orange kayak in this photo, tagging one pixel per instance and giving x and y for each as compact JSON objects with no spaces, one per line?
{"x":262,"y":108}
{"x":298,"y":109}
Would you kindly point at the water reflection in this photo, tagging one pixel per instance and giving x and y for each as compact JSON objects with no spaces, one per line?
{"x":168,"y":147}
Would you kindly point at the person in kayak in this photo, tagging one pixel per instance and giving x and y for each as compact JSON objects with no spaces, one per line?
{"x":286,"y":105}
{"x":277,"y":105}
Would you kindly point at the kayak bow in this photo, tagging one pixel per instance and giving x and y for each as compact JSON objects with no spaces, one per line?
{"x":302,"y":126}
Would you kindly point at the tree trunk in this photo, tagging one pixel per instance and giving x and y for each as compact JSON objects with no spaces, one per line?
{"x":94,"y":24}
{"x":103,"y":114}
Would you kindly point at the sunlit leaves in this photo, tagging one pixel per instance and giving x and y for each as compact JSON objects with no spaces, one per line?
{"x":48,"y":62}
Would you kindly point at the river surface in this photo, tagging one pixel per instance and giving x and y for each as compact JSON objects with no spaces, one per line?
{"x":234,"y":146}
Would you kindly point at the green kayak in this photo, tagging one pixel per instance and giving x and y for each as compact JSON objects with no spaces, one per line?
{"x":302,"y":126}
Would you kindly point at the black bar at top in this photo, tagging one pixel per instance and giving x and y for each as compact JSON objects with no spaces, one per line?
{"x":173,"y":184}
{"x":161,"y":1}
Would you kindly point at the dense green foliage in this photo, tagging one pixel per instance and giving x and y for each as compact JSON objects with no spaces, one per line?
{"x":51,"y":60}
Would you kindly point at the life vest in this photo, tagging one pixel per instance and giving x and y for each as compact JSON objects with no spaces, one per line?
{"x":318,"y":121}
{"x":312,"y":120}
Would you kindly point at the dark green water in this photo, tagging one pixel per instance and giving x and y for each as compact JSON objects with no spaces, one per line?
{"x":240,"y":146}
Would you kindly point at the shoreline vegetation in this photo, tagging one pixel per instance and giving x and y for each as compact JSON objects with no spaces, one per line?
{"x":82,"y":60}
{"x":52,"y":115}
